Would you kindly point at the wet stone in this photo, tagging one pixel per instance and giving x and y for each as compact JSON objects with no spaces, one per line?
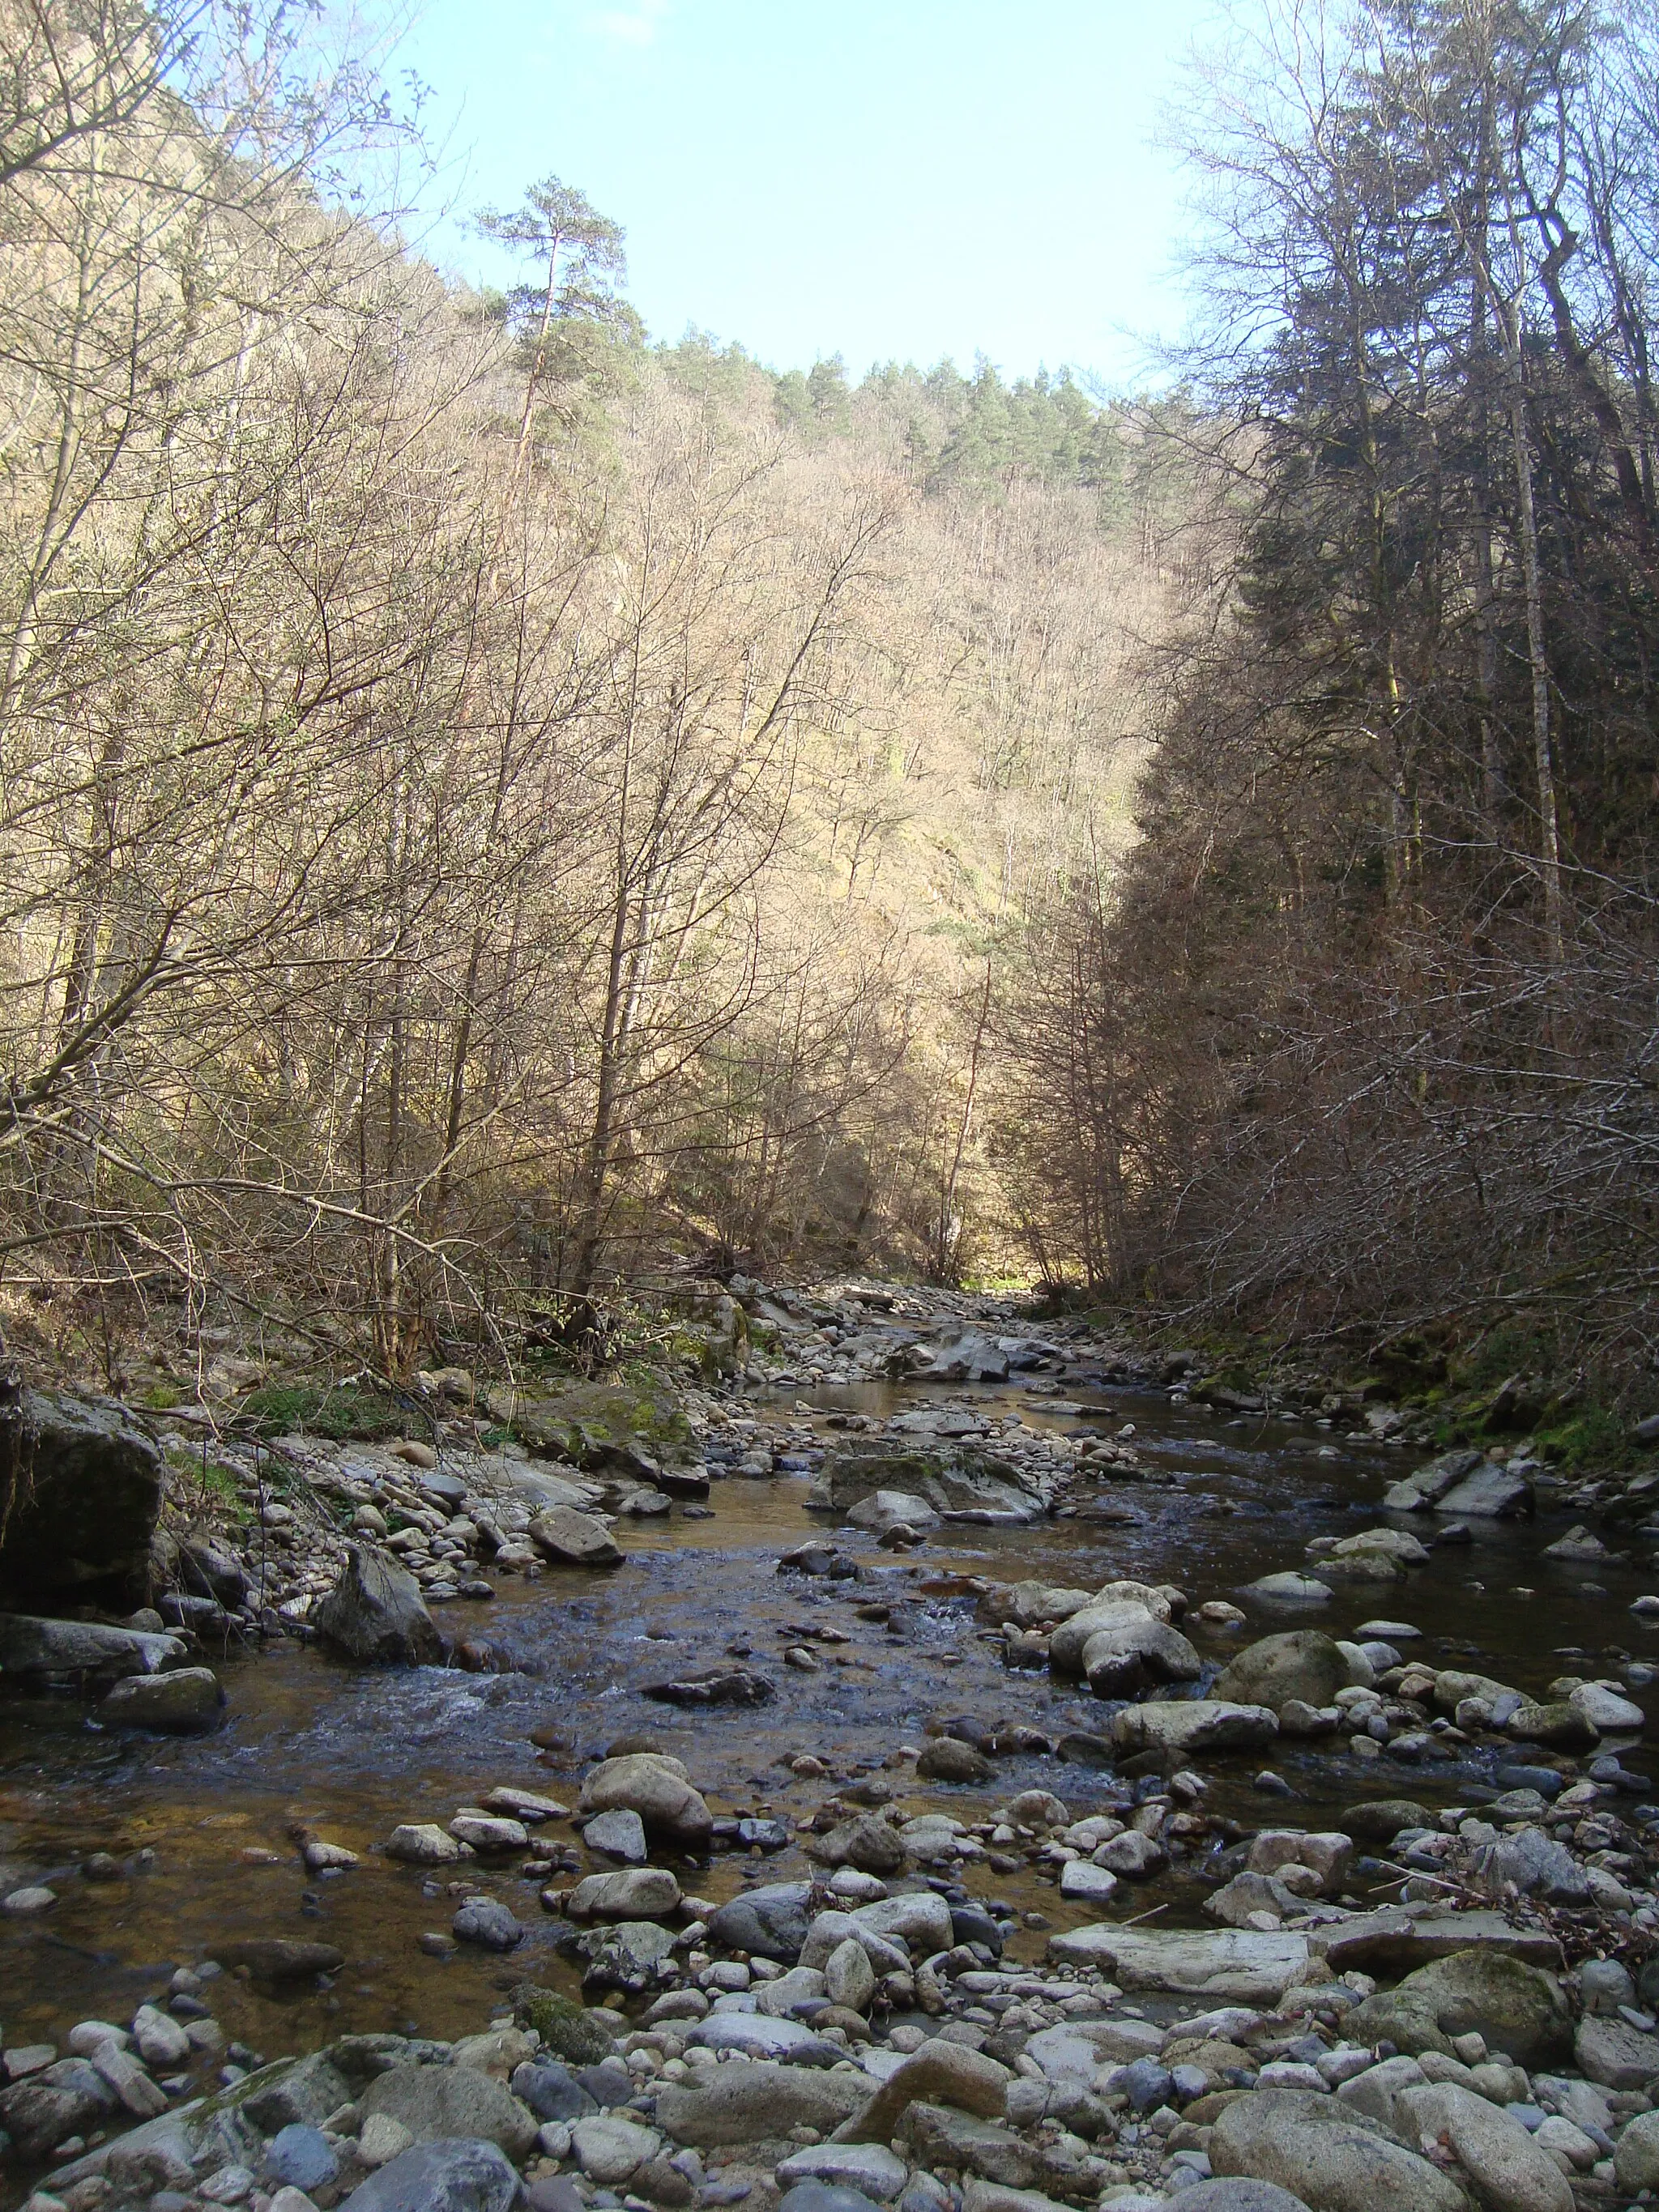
{"x":487,"y":1922}
{"x":619,"y":1834}
{"x":302,"y":2157}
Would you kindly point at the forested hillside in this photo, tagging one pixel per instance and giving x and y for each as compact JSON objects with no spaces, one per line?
{"x":1362,"y":1041}
{"x":491,"y":804}
{"x":495,"y":805}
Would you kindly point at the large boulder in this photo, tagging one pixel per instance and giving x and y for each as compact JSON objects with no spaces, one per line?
{"x":1518,"y":2008}
{"x":1304,"y":1662}
{"x":1192,"y":1726}
{"x":1615,"y":2054}
{"x":1030,"y":1604}
{"x":460,"y":2174}
{"x":1463,"y":1483}
{"x":635,"y":1429}
{"x":1379,"y":1820}
{"x":630,"y":1893}
{"x":629,"y":1955}
{"x":1636,"y":2163}
{"x":207,"y":1568}
{"x":741,"y":2101}
{"x":35,"y":1649}
{"x":866,"y":1842}
{"x":278,"y":1961}
{"x":375,"y":1614}
{"x":45,"y":2109}
{"x":939,"y":2074}
{"x":79,"y":1525}
{"x":1072,"y":1638}
{"x":1328,"y":2155}
{"x":935,"y":2135}
{"x":892,"y":1509}
{"x":1397,"y":1939}
{"x":919,"y":1918}
{"x":1508,"y":2169}
{"x":1535,"y":1863}
{"x":658,"y":1789}
{"x":1491,"y":1493}
{"x":437,"y":2102}
{"x":187,"y":1701}
{"x":770,"y":1922}
{"x":1137,"y":1656}
{"x":1557,"y":1724}
{"x":762,"y":2035}
{"x":1244,"y":1965}
{"x":1427,"y":1485}
{"x":951,"y":1478}
{"x":1236,"y":2194}
{"x":570,"y":1539}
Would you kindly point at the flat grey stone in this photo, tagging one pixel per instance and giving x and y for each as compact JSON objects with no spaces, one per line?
{"x":758,"y":2035}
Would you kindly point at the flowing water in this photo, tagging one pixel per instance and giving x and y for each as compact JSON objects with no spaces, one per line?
{"x":354,"y":1753}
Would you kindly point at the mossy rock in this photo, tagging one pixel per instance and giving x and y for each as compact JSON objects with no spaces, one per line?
{"x":1518,"y":2008}
{"x":600,"y":1425}
{"x":950,"y":1478}
{"x":566,"y":2029}
{"x":1393,"y":2017}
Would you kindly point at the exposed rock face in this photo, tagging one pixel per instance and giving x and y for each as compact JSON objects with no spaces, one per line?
{"x":80,"y":1531}
{"x":375,"y":1614}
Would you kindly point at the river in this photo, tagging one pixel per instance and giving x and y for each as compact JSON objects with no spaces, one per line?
{"x":353,"y":1753}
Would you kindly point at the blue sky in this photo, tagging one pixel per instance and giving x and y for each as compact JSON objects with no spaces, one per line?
{"x":881,"y":179}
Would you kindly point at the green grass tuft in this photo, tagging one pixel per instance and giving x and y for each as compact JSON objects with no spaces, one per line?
{"x":337,"y":1411}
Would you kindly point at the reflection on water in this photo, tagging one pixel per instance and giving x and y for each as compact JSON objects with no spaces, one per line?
{"x":309,"y":1741}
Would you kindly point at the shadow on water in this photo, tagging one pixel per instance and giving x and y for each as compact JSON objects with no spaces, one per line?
{"x":352,"y":1754}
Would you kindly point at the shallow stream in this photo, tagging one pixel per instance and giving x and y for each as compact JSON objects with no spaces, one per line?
{"x":353,"y":1753}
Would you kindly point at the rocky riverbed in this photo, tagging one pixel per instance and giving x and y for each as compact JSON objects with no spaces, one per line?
{"x":970,"y":1768}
